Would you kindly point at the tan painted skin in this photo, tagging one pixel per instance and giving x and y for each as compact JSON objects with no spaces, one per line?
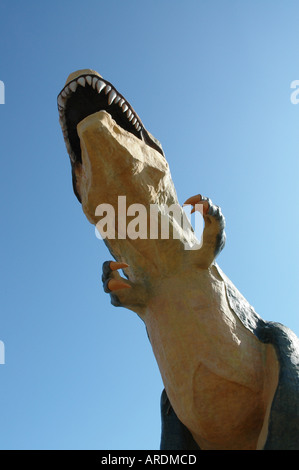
{"x":219,"y":377}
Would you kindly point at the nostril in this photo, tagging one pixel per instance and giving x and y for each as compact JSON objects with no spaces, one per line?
{"x":116,"y":129}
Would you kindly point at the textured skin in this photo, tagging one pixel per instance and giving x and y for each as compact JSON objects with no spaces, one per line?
{"x":283,"y":432}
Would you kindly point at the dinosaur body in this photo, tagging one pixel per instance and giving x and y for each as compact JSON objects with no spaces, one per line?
{"x":220,"y":374}
{"x":211,"y":366}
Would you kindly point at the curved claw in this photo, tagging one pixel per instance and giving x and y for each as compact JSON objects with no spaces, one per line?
{"x":198,"y":199}
{"x":114,"y":265}
{"x":193,"y":200}
{"x":114,"y":284}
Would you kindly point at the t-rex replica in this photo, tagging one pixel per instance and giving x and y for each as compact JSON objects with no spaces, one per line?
{"x":231,"y":379}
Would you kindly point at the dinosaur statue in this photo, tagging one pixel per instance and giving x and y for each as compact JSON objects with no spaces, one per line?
{"x":231,"y":379}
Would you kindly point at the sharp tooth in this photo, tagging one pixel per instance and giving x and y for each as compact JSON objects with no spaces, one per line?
{"x":81,"y":81}
{"x":134,"y":121}
{"x":124,"y":107}
{"x":100,"y":85}
{"x":112,"y":96}
{"x":73,"y":86}
{"x":136,"y":125}
{"x":94,"y":82}
{"x":107,"y":89}
{"x":61,"y":101}
{"x":64,"y":92}
{"x":121,"y":102}
{"x":117,"y":99}
{"x":131,"y":117}
{"x":88,"y":79}
{"x":129,"y":112}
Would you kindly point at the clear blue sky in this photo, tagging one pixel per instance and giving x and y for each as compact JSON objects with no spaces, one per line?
{"x":211,"y":80}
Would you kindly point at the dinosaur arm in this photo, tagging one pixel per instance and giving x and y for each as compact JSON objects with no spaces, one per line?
{"x":213,"y":238}
{"x":123,"y":292}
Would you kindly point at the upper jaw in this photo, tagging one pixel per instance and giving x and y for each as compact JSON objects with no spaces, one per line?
{"x":85,"y":93}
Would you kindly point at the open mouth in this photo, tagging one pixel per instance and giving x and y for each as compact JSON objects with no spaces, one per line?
{"x":88,"y":94}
